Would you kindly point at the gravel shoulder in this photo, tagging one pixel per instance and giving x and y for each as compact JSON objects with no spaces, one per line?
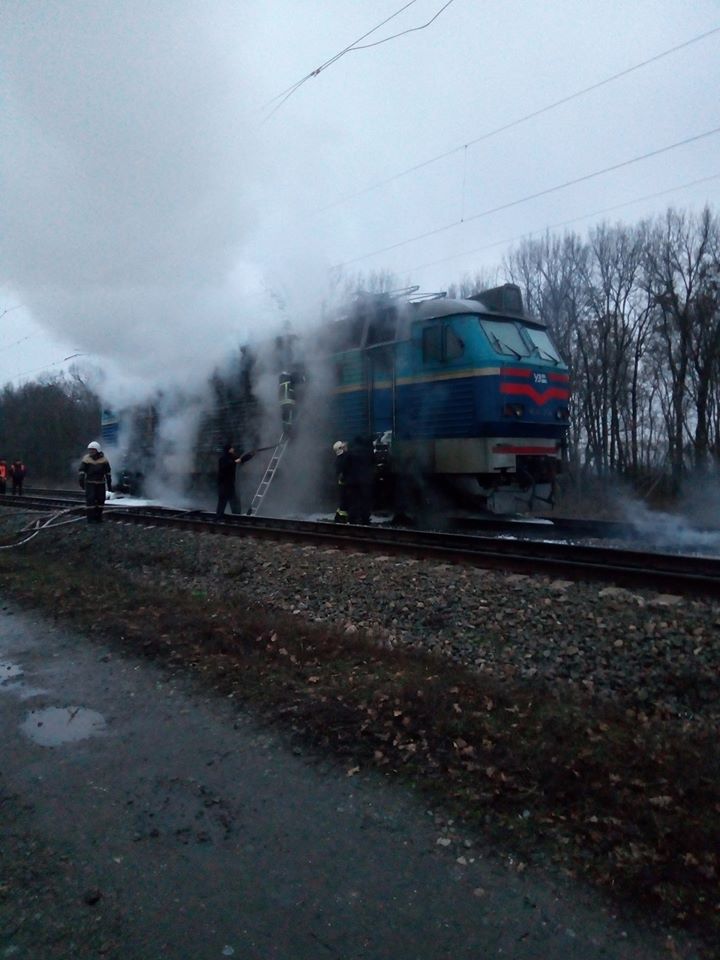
{"x":653,"y":652}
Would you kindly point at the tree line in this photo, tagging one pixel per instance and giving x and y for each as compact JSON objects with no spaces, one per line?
{"x":635,"y":311}
{"x":48,"y":424}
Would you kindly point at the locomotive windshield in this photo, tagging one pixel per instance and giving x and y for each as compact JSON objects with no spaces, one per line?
{"x":505,"y":338}
{"x":543,"y":345}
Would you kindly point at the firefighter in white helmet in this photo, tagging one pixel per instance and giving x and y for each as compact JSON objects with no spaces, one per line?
{"x":94,"y":476}
{"x":342,"y":462}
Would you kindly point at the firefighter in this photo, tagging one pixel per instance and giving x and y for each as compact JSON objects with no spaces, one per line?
{"x":17,"y":475}
{"x":3,"y":477}
{"x":227,"y":466}
{"x":289,"y":386}
{"x":360,"y":480}
{"x":342,"y":462}
{"x":286,"y":396}
{"x":94,"y":476}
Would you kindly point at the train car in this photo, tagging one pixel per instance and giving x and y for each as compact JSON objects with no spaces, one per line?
{"x":109,"y":429}
{"x":470,"y":392}
{"x":128,"y":437}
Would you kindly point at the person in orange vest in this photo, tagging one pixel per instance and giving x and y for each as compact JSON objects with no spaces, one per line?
{"x":17,"y":475}
{"x":3,"y":476}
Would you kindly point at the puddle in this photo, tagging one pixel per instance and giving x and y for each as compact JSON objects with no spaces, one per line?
{"x":56,"y":725}
{"x":9,"y":670}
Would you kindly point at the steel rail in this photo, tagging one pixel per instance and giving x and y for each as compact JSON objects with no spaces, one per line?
{"x":541,"y":527}
{"x":662,"y":572}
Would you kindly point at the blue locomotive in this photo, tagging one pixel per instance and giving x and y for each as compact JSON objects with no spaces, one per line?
{"x":472,"y":392}
{"x":467,"y":396}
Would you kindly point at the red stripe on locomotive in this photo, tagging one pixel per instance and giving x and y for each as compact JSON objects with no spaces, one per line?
{"x":526,"y":389}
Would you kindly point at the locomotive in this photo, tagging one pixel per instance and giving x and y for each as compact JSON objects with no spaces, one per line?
{"x":471,"y":393}
{"x":462,"y":398}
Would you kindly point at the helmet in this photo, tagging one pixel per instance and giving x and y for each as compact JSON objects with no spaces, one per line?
{"x":338,"y":447}
{"x":94,"y":445}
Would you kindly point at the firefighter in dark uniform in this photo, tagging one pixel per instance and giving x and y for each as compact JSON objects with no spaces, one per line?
{"x":17,"y":475}
{"x":360,"y":480}
{"x":290,"y":384}
{"x":94,"y":477}
{"x":342,"y":463}
{"x":227,"y":466}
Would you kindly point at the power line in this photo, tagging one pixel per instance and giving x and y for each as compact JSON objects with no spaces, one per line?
{"x":28,"y":336}
{"x":289,"y":91}
{"x":563,"y":223}
{"x":9,"y":310}
{"x":518,"y":121}
{"x":283,"y":96}
{"x":376,"y":43}
{"x":47,"y":366}
{"x":532,"y":196}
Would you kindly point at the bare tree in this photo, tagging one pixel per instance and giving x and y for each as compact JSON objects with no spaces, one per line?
{"x":680,"y":274}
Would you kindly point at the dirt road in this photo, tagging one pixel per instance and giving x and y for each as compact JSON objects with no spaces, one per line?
{"x":143,"y":818}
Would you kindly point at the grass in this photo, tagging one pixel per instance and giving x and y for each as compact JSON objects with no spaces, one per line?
{"x":629,"y":803}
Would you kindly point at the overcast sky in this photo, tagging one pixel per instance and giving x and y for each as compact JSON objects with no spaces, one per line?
{"x":154,"y":210}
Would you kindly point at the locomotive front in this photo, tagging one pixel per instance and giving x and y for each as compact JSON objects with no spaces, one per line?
{"x":471,"y":393}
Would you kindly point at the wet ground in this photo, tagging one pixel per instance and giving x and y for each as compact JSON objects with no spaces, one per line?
{"x":143,"y":818}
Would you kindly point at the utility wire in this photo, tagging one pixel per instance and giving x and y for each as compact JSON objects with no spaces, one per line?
{"x":518,"y":121}
{"x":289,"y":91}
{"x":48,"y":365}
{"x":563,"y":223}
{"x":531,"y":196}
{"x":28,"y":336}
{"x":340,"y":54}
{"x":394,"y":36}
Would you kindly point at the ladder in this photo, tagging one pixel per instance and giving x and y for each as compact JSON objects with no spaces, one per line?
{"x":268,"y":475}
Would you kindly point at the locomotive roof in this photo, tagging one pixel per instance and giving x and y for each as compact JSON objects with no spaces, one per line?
{"x":432,"y":309}
{"x":387,"y":317}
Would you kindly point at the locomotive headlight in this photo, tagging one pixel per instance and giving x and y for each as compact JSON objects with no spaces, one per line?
{"x":513,"y":410}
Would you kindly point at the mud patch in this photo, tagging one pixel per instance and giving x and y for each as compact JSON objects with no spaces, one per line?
{"x":56,"y":725}
{"x":180,"y":809}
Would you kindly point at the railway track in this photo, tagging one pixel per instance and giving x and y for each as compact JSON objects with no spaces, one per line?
{"x":663,"y":572}
{"x":541,"y":527}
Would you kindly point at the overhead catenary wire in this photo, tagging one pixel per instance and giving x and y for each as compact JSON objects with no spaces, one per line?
{"x":402,"y":33}
{"x":15,"y":343}
{"x":533,"y":196}
{"x":47,"y":366}
{"x":314,"y":73}
{"x":517,"y":122}
{"x":289,"y":91}
{"x":563,"y":223}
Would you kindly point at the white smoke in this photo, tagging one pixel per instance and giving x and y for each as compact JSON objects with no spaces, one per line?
{"x":673,"y":532}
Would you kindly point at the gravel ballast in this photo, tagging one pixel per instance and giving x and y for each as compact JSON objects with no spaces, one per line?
{"x":656,"y":653}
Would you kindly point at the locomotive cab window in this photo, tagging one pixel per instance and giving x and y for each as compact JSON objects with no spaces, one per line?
{"x":505,"y":338}
{"x":454,"y":347}
{"x":542,"y":345}
{"x":432,"y":344}
{"x":381,"y":328}
{"x":440,"y":344}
